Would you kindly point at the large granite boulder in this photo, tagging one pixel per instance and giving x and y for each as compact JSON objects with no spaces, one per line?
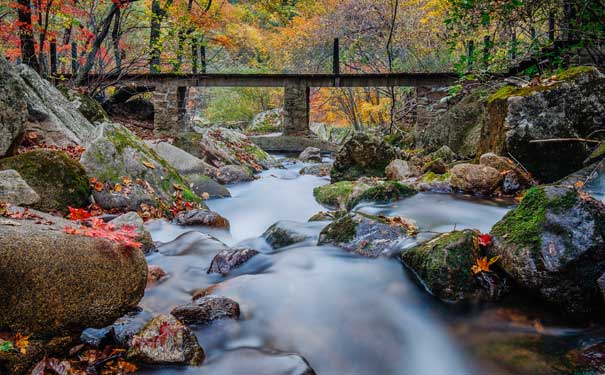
{"x":270,"y":121}
{"x":444,"y":265}
{"x":570,"y":105}
{"x":362,"y":155}
{"x":398,"y":170}
{"x":56,"y":283}
{"x":134,"y":220}
{"x":310,"y":154}
{"x":367,"y":235}
{"x":119,"y":158}
{"x":59,"y":180}
{"x":89,"y":107}
{"x":553,"y":245}
{"x":14,"y":190}
{"x":13,"y":109}
{"x":345,"y":195}
{"x":475,"y":178}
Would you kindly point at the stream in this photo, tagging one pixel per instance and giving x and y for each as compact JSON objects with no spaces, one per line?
{"x":343,"y":313}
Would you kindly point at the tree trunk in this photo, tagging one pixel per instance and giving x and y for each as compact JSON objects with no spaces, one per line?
{"x":26,"y":35}
{"x":115,"y":37}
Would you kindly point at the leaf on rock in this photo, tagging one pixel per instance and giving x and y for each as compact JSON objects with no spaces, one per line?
{"x":483,"y":264}
{"x":149,"y":165}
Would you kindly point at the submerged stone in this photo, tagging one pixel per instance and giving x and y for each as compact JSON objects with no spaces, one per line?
{"x":226,"y":260}
{"x":206,"y":309}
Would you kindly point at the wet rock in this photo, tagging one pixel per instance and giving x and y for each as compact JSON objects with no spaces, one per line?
{"x":219,"y":147}
{"x":443,"y":265}
{"x":206,"y":309}
{"x":269,"y":121}
{"x":126,"y":327}
{"x":364,"y":234}
{"x":436,"y":166}
{"x":191,"y":243}
{"x":155,"y":274}
{"x":320,"y":170}
{"x":57,"y":179}
{"x":475,"y":179}
{"x":143,"y":235}
{"x":570,"y":106}
{"x":54,"y":282}
{"x":311,"y":154}
{"x":226,"y":260}
{"x":362,"y":155}
{"x":255,"y":361}
{"x":233,"y":174}
{"x":515,"y":178}
{"x":202,"y":185}
{"x":13,"y":109}
{"x":166,"y":341}
{"x":345,"y":195}
{"x":96,"y":337}
{"x":14,"y":190}
{"x":118,"y":153}
{"x":398,"y":170}
{"x":436,"y":183}
{"x":327,"y":215}
{"x":202,"y":217}
{"x":552,"y":245}
{"x":286,"y":232}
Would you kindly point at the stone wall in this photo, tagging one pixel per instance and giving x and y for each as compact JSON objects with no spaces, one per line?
{"x":296,"y":107}
{"x":170,"y":109}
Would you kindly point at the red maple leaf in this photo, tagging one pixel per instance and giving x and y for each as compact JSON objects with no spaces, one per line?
{"x":78,"y":214}
{"x":485,"y":240}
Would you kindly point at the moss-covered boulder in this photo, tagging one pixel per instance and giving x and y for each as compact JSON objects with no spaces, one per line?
{"x":444,"y":266}
{"x":553,"y":245}
{"x":345,"y":195}
{"x":286,"y":232}
{"x":59,"y":180}
{"x":328,"y":215}
{"x":362,"y":155}
{"x":367,"y":235}
{"x":270,"y":121}
{"x":90,"y":108}
{"x":569,"y":105}
{"x":13,"y":109}
{"x":55,"y":283}
{"x":220,"y":146}
{"x":119,"y":158}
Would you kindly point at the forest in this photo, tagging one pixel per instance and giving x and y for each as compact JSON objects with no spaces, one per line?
{"x":298,"y":187}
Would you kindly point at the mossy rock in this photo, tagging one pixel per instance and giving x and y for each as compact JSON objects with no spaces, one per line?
{"x":362,"y":155}
{"x":90,"y":108}
{"x":363,"y":234}
{"x":444,"y":266}
{"x":347,"y":194}
{"x":327,"y":215}
{"x":59,"y":180}
{"x":552,"y":245}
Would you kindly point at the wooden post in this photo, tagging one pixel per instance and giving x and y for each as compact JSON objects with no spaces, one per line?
{"x":203,"y":58}
{"x":470,"y":49}
{"x":486,"y":48}
{"x":551,"y":27}
{"x":336,"y":57}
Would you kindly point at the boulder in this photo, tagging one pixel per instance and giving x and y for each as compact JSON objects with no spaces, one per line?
{"x":143,"y":235}
{"x":233,"y":174}
{"x":219,"y":147}
{"x":436,"y":183}
{"x":475,"y":179}
{"x":202,"y":217}
{"x":55,"y":119}
{"x":155,"y":274}
{"x":118,"y":157}
{"x":444,"y":264}
{"x":319,"y":170}
{"x":398,"y":170}
{"x":367,"y":235}
{"x":14,"y":190}
{"x":332,"y":134}
{"x":228,"y":259}
{"x":58,"y":180}
{"x":13,"y":109}
{"x":88,"y":107}
{"x":515,"y":177}
{"x":185,"y":163}
{"x":362,"y":155}
{"x":311,"y":154}
{"x":166,"y":341}
{"x":206,"y":309}
{"x":569,"y":105}
{"x":270,"y":121}
{"x":202,"y":185}
{"x":436,"y":166}
{"x":444,"y":153}
{"x":345,"y":195}
{"x":56,"y":283}
{"x":552,"y":245}
{"x":286,"y":232}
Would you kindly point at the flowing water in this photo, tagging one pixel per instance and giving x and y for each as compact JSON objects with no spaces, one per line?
{"x":343,"y":313}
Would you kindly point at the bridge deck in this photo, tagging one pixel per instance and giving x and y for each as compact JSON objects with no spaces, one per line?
{"x":283,"y":80}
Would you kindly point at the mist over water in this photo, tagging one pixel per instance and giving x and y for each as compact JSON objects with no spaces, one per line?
{"x":343,"y":313}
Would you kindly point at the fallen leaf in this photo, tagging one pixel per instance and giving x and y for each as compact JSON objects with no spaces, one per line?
{"x":485,"y":240}
{"x":98,"y":186}
{"x":126,"y":180}
{"x":205,"y":196}
{"x":21,"y":343}
{"x":148,"y":165}
{"x":117,"y":188}
{"x":483,"y":264}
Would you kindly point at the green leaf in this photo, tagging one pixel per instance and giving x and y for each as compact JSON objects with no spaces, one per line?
{"x":6,"y":346}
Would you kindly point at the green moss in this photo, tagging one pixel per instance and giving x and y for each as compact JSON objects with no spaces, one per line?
{"x":333,"y":194}
{"x":574,"y":72}
{"x":59,"y":180}
{"x":341,"y":230}
{"x":523,"y":225}
{"x":385,"y":192}
{"x":508,"y":91}
{"x":433,"y":177}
